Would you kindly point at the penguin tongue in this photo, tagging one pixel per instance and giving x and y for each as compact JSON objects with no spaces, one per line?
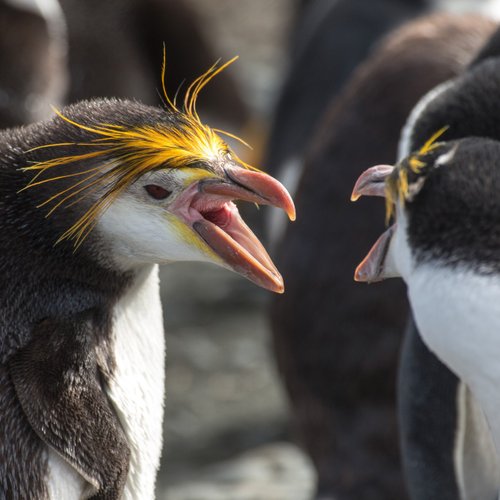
{"x":372,"y":267}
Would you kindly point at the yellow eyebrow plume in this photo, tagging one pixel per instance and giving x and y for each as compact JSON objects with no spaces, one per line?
{"x":432,"y":143}
{"x":128,"y":153}
{"x":397,"y":188}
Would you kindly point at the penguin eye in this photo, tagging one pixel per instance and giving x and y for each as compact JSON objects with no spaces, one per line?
{"x":157,"y":192}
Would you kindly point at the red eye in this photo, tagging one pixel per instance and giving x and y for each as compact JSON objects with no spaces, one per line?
{"x":157,"y":192}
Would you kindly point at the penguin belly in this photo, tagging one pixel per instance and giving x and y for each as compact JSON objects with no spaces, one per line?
{"x":136,"y":386}
{"x":464,"y":332}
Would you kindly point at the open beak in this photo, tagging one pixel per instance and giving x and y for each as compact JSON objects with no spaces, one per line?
{"x":372,"y":182}
{"x":377,"y":265}
{"x":374,"y":266}
{"x":215,"y":218}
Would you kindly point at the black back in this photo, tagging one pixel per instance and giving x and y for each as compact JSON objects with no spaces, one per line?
{"x":427,"y":405}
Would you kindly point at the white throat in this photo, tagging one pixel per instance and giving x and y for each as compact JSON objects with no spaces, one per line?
{"x":457,"y":312}
{"x":138,"y":382}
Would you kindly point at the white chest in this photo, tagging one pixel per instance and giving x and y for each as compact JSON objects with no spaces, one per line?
{"x":458,"y":316}
{"x":138,"y":382}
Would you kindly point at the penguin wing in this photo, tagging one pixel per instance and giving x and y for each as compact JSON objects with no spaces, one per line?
{"x":57,"y":380}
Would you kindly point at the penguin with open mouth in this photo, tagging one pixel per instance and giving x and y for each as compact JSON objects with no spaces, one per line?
{"x":445,"y":244}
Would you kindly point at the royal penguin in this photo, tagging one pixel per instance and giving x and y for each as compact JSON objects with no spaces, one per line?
{"x":33,"y":49}
{"x":444,"y":245}
{"x":337,"y":343}
{"x":91,"y":201}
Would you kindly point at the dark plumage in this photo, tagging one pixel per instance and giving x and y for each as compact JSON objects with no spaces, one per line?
{"x":27,"y":240}
{"x":338,"y":349}
{"x":465,"y":193}
{"x":330,"y":39}
{"x":54,"y":333}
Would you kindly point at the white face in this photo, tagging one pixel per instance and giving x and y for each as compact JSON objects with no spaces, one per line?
{"x":188,"y":214}
{"x":141,"y":229}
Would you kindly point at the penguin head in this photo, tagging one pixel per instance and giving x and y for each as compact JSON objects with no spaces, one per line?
{"x":445,"y":202}
{"x":153,"y":185}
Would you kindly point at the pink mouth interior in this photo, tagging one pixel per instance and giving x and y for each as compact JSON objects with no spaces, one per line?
{"x":220,"y":217}
{"x":219,"y":211}
{"x":194,"y":207}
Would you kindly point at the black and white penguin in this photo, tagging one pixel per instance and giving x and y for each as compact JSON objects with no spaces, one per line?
{"x":90,"y":202}
{"x":338,"y":350}
{"x":444,"y":245}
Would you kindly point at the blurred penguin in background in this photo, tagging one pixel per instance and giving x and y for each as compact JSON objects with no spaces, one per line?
{"x":33,"y":60}
{"x":61,"y":51}
{"x":330,"y":39}
{"x":337,"y":344}
{"x":115,"y":49}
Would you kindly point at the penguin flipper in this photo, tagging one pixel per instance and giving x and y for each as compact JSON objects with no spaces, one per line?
{"x":57,"y":381}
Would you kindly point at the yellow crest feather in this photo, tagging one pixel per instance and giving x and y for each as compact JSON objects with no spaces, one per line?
{"x":134,"y":151}
{"x":397,"y":186}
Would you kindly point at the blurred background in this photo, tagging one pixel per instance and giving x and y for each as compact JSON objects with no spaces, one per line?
{"x":226,"y":428}
{"x":230,"y":432}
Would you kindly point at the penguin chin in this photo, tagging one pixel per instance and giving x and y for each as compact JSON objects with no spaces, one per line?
{"x":135,"y":235}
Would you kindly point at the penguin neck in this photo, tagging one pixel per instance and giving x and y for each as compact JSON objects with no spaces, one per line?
{"x":457,"y":311}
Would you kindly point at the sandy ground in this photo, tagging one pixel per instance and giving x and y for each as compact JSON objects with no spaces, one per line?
{"x":226,"y":433}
